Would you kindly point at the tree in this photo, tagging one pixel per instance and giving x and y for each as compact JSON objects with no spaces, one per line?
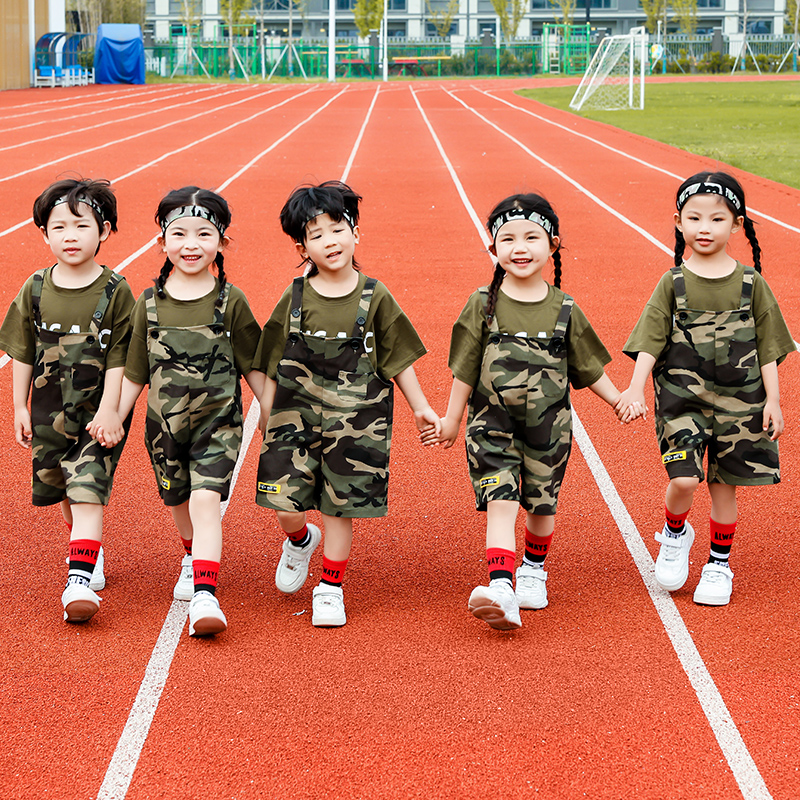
{"x":654,"y":11}
{"x":442,"y":19}
{"x":368,"y":15}
{"x":232,"y":13}
{"x":567,"y":8}
{"x":510,"y":13}
{"x":685,"y":15}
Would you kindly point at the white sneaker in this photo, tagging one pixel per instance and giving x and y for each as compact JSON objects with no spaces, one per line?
{"x":98,"y":579}
{"x":184,"y":588}
{"x":205,"y":615}
{"x":531,"y":591}
{"x":496,"y":604}
{"x":672,"y":563}
{"x":328,"y":607}
{"x":80,"y":603}
{"x":292,"y":568}
{"x":715,"y":587}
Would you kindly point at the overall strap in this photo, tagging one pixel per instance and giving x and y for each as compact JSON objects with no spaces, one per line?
{"x":114,"y":280}
{"x":679,"y":284}
{"x":36,"y":296}
{"x":219,"y":310}
{"x":560,"y":331}
{"x":484,"y":293}
{"x":297,"y":305}
{"x":363,"y":308}
{"x":747,"y":288}
{"x":150,"y":306}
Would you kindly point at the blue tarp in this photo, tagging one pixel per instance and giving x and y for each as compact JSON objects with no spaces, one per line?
{"x":119,"y":54}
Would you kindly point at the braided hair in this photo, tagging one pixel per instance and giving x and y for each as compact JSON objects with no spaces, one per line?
{"x":527,"y":204}
{"x":97,"y":194}
{"x":731,"y":189}
{"x":194,"y":196}
{"x":334,"y":198}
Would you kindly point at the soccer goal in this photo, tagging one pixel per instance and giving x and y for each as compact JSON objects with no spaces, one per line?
{"x":615,"y":77}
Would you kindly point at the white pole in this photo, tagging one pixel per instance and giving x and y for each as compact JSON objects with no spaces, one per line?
{"x":331,"y":41}
{"x":32,"y":40}
{"x":385,"y":40}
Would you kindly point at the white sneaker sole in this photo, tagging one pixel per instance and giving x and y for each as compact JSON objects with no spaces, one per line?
{"x":491,"y":612}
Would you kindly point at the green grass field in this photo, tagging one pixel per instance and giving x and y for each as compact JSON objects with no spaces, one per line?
{"x":752,"y":125}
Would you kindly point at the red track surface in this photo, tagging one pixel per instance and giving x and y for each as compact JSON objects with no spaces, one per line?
{"x":413,"y":698}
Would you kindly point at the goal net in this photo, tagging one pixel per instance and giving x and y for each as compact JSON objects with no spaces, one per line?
{"x":615,"y":76}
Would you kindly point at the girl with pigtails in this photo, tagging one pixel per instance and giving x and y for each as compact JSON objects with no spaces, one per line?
{"x":712,"y":335}
{"x":516,"y":348}
{"x":193,"y":337}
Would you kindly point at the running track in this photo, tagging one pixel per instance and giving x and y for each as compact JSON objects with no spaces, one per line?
{"x":615,"y":690}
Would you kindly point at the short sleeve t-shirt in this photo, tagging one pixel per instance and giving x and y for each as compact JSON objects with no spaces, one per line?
{"x":586,"y":354}
{"x":390,"y":340}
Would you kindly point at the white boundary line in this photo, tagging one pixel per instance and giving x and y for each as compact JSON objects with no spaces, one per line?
{"x":722,"y":725}
{"x":622,"y":153}
{"x":129,"y":747}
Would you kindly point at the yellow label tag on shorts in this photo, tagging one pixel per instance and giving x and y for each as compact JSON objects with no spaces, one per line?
{"x":493,"y":481}
{"x":164,"y":483}
{"x":678,"y":455}
{"x":269,"y":488}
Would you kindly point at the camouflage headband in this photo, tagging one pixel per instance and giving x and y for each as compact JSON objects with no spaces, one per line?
{"x":86,"y":200}
{"x":701,"y":187}
{"x":318,"y":211}
{"x":191,"y":211}
{"x":518,"y":213}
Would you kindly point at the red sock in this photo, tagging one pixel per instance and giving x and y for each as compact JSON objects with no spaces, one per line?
{"x":297,"y":536}
{"x":676,"y":522}
{"x":206,"y":575}
{"x":83,"y":555}
{"x":536,"y":547}
{"x":500,"y":563}
{"x":721,"y":541}
{"x":333,"y":571}
{"x":187,"y":545}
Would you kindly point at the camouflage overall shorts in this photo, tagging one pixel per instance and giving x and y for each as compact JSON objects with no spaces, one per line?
{"x":519,"y":426}
{"x":193,"y":429}
{"x":66,"y":388}
{"x":709,"y":396}
{"x":330,"y":430}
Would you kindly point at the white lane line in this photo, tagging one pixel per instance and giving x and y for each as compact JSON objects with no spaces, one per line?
{"x":117,"y":107}
{"x":148,"y":131}
{"x":722,"y":725}
{"x":150,"y":112}
{"x":649,"y":165}
{"x":185,"y":147}
{"x":129,"y":747}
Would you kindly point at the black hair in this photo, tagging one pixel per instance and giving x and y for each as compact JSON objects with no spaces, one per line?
{"x":75,"y":190}
{"x":528,"y":203}
{"x":334,"y":198}
{"x":729,"y":183}
{"x":194,"y":196}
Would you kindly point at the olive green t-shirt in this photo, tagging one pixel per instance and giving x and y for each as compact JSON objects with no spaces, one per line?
{"x":69,"y":310}
{"x":391,"y":342}
{"x":240,"y":325}
{"x":586,"y":354}
{"x":654,"y":328}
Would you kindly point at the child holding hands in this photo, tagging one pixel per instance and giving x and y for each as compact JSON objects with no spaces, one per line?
{"x":67,"y":332}
{"x":516,"y":347}
{"x":331,"y":349}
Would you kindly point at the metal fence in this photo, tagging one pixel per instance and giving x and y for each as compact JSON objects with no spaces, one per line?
{"x":554,"y":54}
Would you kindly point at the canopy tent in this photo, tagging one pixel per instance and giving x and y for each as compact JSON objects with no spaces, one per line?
{"x":119,"y":54}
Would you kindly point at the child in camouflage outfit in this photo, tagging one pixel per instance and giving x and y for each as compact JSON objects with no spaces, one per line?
{"x":193,"y":336}
{"x":515,"y":349}
{"x":67,"y":332}
{"x":712,"y":335}
{"x":330,"y":351}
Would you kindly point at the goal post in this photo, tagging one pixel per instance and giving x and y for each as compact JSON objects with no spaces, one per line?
{"x":615,"y":76}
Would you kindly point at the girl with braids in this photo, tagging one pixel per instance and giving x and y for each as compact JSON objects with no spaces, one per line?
{"x":515,"y":349}
{"x":712,"y":335}
{"x":193,"y":337}
{"x":332,"y":350}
